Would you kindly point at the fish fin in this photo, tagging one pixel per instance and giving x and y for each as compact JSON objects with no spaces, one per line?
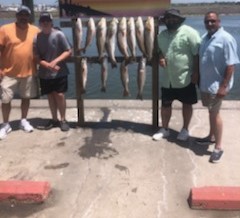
{"x":114,"y":64}
{"x":103,"y":89}
{"x":126,"y":93}
{"x":139,"y":96}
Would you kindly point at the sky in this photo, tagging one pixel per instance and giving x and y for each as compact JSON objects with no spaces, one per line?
{"x":4,"y":2}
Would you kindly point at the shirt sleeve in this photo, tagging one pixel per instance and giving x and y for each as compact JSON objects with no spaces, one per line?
{"x":230,"y":52}
{"x":64,"y":42}
{"x":194,"y":41}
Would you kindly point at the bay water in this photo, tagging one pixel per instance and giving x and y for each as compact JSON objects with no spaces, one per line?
{"x":231,"y":23}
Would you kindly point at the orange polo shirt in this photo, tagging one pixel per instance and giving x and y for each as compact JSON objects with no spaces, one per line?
{"x":17,"y":54}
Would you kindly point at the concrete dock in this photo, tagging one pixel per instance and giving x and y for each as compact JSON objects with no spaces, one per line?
{"x":111,"y":168}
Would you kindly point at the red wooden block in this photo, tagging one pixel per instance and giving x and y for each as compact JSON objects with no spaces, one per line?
{"x":27,"y":191}
{"x":212,"y":197}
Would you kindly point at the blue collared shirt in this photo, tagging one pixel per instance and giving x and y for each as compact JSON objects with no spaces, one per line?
{"x":216,"y":53}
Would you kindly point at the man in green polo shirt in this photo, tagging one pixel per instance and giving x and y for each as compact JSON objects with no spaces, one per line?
{"x":178,"y":48}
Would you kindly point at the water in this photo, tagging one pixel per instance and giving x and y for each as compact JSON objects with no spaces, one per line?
{"x":114,"y":86}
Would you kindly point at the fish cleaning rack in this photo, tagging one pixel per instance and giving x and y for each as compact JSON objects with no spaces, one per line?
{"x":76,"y":59}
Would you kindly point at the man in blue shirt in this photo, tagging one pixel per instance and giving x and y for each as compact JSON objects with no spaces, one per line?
{"x":218,"y":56}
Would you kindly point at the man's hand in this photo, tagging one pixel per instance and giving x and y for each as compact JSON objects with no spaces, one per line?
{"x":222,"y":91}
{"x":163,"y":62}
{"x":1,"y":75}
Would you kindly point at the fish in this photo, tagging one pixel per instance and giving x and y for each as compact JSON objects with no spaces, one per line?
{"x":124,"y":78}
{"x":139,"y":26}
{"x":104,"y":74}
{"x":131,"y":37}
{"x":141,"y":77}
{"x":122,"y":38}
{"x":101,"y":38}
{"x":84,"y":74}
{"x":111,"y":41}
{"x":149,"y":34}
{"x":79,"y":33}
{"x":91,"y":32}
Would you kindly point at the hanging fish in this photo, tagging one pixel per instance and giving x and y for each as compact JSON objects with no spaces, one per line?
{"x":104,"y":74}
{"x":139,"y":26}
{"x":111,"y":41}
{"x":149,"y":33}
{"x":91,"y":32}
{"x":141,"y":77}
{"x":124,"y":78}
{"x":101,"y":38}
{"x":131,"y":37}
{"x":122,"y":37}
{"x":84,"y":74}
{"x":79,"y":33}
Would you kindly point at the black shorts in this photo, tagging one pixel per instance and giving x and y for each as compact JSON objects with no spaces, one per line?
{"x":186,"y":95}
{"x":59,"y":85}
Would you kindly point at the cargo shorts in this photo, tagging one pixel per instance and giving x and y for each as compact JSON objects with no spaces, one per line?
{"x":22,"y":87}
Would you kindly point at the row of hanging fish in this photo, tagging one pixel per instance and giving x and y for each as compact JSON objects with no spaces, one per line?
{"x":125,"y":33}
{"x":141,"y":76}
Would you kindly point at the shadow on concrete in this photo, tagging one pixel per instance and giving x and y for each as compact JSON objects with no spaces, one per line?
{"x":121,"y":125}
{"x":100,"y":145}
{"x":191,"y":144}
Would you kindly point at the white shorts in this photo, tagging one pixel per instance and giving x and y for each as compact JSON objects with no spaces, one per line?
{"x":23,"y":87}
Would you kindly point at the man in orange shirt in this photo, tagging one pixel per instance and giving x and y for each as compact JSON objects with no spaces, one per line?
{"x":17,"y":67}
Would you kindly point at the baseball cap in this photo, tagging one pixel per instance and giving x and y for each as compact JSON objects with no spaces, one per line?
{"x":45,"y":16}
{"x":23,"y":8}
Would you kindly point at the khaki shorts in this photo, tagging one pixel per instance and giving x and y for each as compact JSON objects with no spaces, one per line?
{"x":211,"y":102}
{"x":23,"y":87}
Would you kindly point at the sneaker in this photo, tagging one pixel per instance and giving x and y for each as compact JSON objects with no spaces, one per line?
{"x":216,"y":156}
{"x":5,"y":129}
{"x":26,"y":126}
{"x":205,"y":140}
{"x":162,"y":133}
{"x":64,"y":126}
{"x":183,"y":135}
{"x":51,"y":124}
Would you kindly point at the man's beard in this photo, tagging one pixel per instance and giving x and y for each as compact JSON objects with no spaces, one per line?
{"x":173,"y":26}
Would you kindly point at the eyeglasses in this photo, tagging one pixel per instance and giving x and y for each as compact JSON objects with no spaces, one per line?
{"x":210,"y":21}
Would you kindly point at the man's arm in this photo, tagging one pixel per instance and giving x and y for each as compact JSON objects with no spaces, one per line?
{"x":1,"y":71}
{"x":222,"y":91}
{"x":195,"y":72}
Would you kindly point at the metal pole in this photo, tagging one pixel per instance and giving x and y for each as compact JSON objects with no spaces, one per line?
{"x":78,"y":79}
{"x":155,"y":79}
{"x":30,"y":4}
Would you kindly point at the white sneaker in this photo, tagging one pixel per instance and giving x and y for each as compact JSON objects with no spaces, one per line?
{"x":5,"y":129}
{"x":162,"y":133}
{"x":26,"y":126}
{"x":183,"y":135}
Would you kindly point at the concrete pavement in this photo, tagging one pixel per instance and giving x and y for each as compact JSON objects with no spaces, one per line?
{"x":112,"y":168}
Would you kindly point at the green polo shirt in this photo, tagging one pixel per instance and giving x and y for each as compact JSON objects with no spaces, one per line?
{"x":178,"y":48}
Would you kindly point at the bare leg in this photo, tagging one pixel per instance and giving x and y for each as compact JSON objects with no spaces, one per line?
{"x":53,"y":105}
{"x":6,"y":108}
{"x":216,"y":127}
{"x":166,"y":113}
{"x":25,"y":107}
{"x":61,"y":104}
{"x":187,"y":115}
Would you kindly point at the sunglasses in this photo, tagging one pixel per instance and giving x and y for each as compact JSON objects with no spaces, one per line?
{"x":45,"y":20}
{"x":210,"y":21}
{"x":23,"y":14}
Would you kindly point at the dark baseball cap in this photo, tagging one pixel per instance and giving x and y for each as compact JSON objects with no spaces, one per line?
{"x":45,"y":16}
{"x":23,"y":8}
